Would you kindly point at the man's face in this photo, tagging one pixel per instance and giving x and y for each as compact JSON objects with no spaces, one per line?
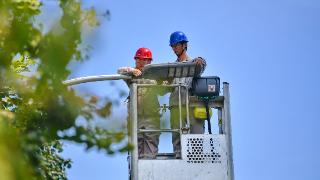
{"x":178,"y":48}
{"x":140,"y":63}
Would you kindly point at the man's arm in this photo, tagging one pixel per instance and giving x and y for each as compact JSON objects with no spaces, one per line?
{"x":129,"y":71}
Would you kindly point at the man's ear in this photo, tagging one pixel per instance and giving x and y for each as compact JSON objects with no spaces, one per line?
{"x":185,"y":46}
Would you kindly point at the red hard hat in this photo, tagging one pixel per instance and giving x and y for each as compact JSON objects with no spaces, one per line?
{"x":143,"y":53}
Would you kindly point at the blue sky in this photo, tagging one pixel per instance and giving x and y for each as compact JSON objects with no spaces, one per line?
{"x":268,"y":50}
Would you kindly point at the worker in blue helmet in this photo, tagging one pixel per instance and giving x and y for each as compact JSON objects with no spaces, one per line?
{"x":179,"y":45}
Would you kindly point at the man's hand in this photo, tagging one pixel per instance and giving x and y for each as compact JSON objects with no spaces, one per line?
{"x":198,"y":61}
{"x":200,"y":65}
{"x":165,"y":82}
{"x":136,"y":72}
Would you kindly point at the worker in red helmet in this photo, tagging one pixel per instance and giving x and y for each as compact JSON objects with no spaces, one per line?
{"x":148,"y":115}
{"x":179,"y":44}
{"x":142,"y":57}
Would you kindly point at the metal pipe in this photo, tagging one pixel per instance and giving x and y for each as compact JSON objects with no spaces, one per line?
{"x":180,"y":118}
{"x":187,"y":106}
{"x":220,"y":120}
{"x":86,"y":79}
{"x":208,"y":116}
{"x":227,"y":128}
{"x":134,"y":128}
{"x":180,"y":113}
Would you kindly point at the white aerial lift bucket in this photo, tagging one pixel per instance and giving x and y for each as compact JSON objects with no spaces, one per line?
{"x":203,"y":156}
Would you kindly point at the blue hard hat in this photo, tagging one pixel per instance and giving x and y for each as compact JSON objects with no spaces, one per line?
{"x":177,"y":37}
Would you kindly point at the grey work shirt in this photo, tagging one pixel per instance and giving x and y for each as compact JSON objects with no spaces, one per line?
{"x":174,"y":97}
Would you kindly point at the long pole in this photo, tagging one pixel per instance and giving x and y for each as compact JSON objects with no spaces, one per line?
{"x":227,"y":128}
{"x":86,"y":79}
{"x":134,"y":130}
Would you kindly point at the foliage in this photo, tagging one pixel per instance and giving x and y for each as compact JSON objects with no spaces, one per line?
{"x":34,"y":103}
